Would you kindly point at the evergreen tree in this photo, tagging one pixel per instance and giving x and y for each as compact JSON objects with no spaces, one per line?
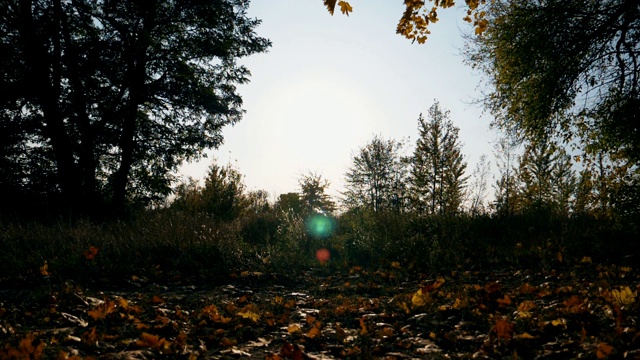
{"x":437,"y":172}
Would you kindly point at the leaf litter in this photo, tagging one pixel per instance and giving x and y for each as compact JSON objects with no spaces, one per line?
{"x":590,"y":311}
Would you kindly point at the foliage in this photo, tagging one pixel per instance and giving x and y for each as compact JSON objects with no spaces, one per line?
{"x":437,"y":167}
{"x":223,"y":194}
{"x":376,"y":179}
{"x":101,"y":102}
{"x":564,"y":67}
{"x":418,"y":15}
{"x":313,"y":195}
{"x":290,"y":202}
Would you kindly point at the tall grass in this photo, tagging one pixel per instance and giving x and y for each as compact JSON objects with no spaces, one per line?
{"x":176,"y":245}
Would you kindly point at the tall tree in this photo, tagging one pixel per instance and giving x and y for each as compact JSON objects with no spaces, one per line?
{"x":377,"y":177}
{"x":438,"y":166}
{"x":535,"y":175}
{"x":112,"y":96}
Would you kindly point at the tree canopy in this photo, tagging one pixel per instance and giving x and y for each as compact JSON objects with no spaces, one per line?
{"x":565,"y":67}
{"x":102,"y":100}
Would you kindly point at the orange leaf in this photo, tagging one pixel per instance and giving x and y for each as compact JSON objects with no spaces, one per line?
{"x":44,"y":269}
{"x":363,"y":326}
{"x":603,"y":350}
{"x":91,"y":253}
{"x":504,"y":302}
{"x":157,"y":299}
{"x":315,"y":331}
{"x":101,"y":311}
{"x":227,"y":343}
{"x":493,"y":287}
{"x":503,"y":329}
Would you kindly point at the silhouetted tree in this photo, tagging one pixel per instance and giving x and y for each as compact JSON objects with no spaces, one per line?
{"x":107,"y":98}
{"x":437,"y":172}
{"x":376,"y":179}
{"x":313,"y":195}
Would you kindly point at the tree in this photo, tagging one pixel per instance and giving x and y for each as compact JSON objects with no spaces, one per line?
{"x":506,"y":192}
{"x":535,"y":175}
{"x":290,"y":202}
{"x":565,"y":67}
{"x":376,"y":179}
{"x":478,"y":188}
{"x":437,"y":172}
{"x":313,"y":195}
{"x":418,"y":15}
{"x":111,"y":97}
{"x":223,"y":194}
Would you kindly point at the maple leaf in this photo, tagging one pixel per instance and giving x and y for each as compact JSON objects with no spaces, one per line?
{"x":249,"y":315}
{"x":331,"y":5}
{"x":345,"y":7}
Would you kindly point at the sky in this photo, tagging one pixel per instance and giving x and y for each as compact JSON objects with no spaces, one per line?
{"x":330,"y":83}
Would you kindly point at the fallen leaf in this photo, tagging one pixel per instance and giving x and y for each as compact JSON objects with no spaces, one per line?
{"x":44,"y":269}
{"x":603,"y":350}
{"x":624,"y":296}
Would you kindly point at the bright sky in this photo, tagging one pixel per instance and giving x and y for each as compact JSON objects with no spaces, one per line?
{"x":330,"y":83}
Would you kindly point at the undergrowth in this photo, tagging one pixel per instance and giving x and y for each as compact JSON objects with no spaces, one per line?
{"x":170,"y":244}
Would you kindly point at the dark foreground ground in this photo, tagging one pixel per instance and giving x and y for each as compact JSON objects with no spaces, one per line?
{"x":587,"y":311}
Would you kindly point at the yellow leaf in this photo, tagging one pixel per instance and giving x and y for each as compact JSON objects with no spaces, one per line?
{"x":293,"y":328}
{"x":419,"y":298}
{"x":250,"y":315}
{"x":525,"y":335}
{"x":559,"y":322}
{"x":395,"y":265}
{"x":624,"y":296}
{"x":345,"y":7}
{"x":313,"y":332}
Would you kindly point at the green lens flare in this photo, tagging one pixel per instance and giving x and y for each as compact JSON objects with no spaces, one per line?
{"x":320,"y":226}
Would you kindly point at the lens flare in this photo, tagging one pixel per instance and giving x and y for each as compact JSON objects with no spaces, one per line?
{"x":320,"y":226}
{"x":323,"y":255}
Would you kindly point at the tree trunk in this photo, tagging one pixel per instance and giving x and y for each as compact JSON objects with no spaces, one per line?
{"x":42,"y":79}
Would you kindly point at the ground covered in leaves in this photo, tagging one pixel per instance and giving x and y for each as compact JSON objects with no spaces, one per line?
{"x":587,"y":311}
